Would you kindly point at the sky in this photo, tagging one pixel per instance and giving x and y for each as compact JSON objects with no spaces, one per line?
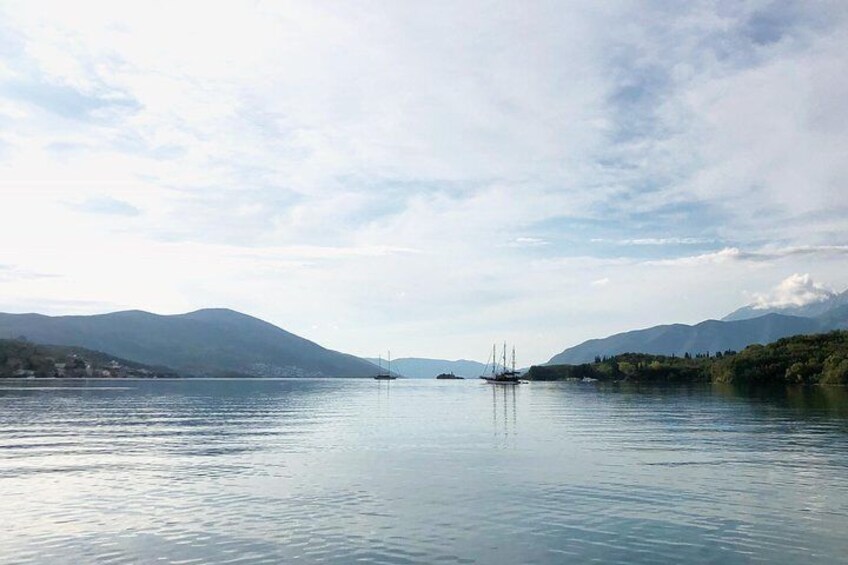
{"x":425,"y":177}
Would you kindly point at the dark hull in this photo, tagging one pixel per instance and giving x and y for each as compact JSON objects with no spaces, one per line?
{"x":502,"y":380}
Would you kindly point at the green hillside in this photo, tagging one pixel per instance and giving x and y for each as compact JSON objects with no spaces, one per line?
{"x":806,"y":359}
{"x":22,"y":358}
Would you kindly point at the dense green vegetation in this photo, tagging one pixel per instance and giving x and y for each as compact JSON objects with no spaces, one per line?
{"x":819,"y":358}
{"x":18,"y":355}
{"x":802,"y":359}
{"x":629,"y":366}
{"x":22,"y":358}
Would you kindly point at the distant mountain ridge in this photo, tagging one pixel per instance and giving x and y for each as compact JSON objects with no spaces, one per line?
{"x":811,"y":310}
{"x":711,"y":335}
{"x":742,"y":327}
{"x":209,"y":342}
{"x":420,"y":368}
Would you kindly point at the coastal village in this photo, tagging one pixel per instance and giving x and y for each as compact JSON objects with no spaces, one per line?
{"x":22,"y":359}
{"x":77,"y":367}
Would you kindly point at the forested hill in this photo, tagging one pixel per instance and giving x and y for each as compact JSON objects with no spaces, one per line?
{"x":211,"y":342}
{"x":21,"y":358}
{"x":802,"y":359}
{"x":711,"y":335}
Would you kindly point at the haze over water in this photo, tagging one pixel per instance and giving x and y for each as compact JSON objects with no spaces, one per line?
{"x":419,"y":472}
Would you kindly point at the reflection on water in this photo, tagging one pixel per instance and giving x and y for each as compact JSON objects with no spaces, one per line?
{"x":420,"y":472}
{"x":504,"y":412}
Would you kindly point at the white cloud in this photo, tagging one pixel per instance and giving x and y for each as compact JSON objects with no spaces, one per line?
{"x":798,"y":250}
{"x":795,"y":290}
{"x":529,"y":242}
{"x":665,"y":241}
{"x":377,"y":168}
{"x":713,"y":257}
{"x":763,"y":254}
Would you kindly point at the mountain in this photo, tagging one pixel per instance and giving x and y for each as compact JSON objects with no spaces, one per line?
{"x":212,"y":342}
{"x":418,"y":368}
{"x":812,"y":310}
{"x":712,"y":335}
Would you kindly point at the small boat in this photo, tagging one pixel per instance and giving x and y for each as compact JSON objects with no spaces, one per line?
{"x":503,"y":375}
{"x":449,"y":377}
{"x":387,"y":376}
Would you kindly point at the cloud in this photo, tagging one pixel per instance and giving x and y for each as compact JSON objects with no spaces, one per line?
{"x":323,"y":252}
{"x":713,"y":257}
{"x":800,"y":250}
{"x":65,"y":101}
{"x":343,"y":161}
{"x":529,"y":242}
{"x":657,"y":241}
{"x":601,"y":282}
{"x":764,"y":254}
{"x":795,"y":290}
{"x":16,"y":273}
{"x":107,"y":205}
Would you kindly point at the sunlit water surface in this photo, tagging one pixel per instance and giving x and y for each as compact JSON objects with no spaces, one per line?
{"x":244,"y":471}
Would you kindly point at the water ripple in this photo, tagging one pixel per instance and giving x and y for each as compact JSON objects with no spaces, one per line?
{"x":338,"y":471}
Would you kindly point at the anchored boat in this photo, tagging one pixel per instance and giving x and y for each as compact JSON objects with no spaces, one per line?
{"x":501,"y":374}
{"x":387,"y":376}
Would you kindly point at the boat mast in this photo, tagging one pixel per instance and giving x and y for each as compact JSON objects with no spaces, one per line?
{"x":504,"y":358}
{"x":513,"y":358}
{"x":494,"y":359}
{"x":390,"y":363}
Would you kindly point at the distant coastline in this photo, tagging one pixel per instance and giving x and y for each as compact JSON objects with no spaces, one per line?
{"x":802,"y":359}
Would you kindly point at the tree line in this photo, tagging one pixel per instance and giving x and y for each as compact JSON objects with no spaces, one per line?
{"x":802,"y":359}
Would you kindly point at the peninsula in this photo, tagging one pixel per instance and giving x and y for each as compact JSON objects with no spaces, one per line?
{"x":801,"y":359}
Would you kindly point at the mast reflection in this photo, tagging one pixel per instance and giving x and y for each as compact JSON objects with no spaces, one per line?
{"x":504,"y":413}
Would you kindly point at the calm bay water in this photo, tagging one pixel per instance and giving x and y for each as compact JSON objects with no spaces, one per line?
{"x":244,"y":471}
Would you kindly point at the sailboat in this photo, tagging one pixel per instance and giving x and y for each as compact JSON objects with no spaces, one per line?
{"x":387,"y":376}
{"x":505,"y":376}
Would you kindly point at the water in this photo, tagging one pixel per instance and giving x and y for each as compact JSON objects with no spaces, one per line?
{"x":341,"y":471}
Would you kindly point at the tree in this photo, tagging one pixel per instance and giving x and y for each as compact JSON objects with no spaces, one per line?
{"x":835,"y":370}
